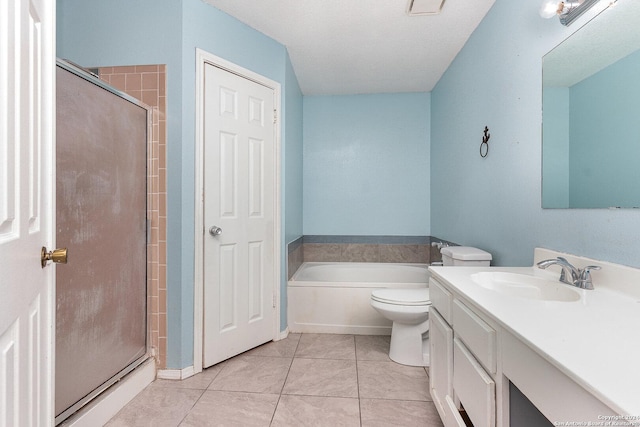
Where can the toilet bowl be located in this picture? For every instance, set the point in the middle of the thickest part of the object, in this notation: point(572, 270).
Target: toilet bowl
point(408, 309)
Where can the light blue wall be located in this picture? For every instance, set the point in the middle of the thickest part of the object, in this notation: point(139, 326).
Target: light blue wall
point(121, 32)
point(605, 137)
point(494, 203)
point(366, 164)
point(293, 156)
point(292, 176)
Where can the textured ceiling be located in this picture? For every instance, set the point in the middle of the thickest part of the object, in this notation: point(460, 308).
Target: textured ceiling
point(366, 46)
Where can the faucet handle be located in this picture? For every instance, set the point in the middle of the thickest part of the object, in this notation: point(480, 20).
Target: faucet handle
point(585, 280)
point(585, 273)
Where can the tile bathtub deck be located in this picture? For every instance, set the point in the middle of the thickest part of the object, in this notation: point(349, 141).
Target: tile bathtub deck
point(303, 380)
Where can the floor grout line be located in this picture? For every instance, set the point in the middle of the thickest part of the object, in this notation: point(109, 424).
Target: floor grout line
point(355, 349)
point(371, 350)
point(275, 409)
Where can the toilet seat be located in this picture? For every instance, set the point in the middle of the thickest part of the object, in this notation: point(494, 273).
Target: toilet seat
point(410, 297)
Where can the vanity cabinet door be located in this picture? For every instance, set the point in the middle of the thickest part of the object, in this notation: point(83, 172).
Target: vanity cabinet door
point(473, 386)
point(441, 369)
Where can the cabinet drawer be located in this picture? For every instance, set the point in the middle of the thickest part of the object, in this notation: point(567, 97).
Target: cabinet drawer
point(441, 299)
point(474, 387)
point(479, 337)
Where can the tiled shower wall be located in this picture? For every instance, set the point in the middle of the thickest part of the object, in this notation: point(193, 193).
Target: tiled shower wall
point(147, 83)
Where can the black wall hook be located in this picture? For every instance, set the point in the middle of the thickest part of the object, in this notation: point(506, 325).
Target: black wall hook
point(484, 145)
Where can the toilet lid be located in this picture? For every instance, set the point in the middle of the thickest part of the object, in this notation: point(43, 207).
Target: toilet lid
point(418, 296)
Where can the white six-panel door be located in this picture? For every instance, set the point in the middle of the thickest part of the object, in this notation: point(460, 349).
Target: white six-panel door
point(239, 184)
point(27, 62)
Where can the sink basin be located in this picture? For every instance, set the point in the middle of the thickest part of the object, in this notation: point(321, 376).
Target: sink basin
point(526, 286)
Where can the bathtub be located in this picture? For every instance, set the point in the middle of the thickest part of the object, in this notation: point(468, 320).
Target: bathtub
point(334, 297)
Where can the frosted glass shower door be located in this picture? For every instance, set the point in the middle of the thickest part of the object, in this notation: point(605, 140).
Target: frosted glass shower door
point(101, 317)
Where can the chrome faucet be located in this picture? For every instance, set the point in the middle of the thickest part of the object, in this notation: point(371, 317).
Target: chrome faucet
point(440, 245)
point(574, 273)
point(579, 277)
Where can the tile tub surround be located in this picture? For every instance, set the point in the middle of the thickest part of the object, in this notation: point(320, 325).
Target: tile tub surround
point(392, 249)
point(306, 379)
point(294, 258)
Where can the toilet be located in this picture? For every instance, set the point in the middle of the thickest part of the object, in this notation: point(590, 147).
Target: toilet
point(408, 309)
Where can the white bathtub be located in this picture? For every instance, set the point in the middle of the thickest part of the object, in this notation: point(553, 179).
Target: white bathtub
point(334, 297)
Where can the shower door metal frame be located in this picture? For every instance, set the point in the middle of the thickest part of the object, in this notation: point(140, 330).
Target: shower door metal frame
point(92, 78)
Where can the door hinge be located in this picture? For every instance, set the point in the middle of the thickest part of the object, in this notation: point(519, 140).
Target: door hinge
point(275, 116)
point(274, 300)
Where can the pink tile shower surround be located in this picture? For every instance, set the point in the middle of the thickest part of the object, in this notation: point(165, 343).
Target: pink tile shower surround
point(147, 83)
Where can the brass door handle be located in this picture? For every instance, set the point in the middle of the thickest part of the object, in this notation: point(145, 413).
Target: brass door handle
point(59, 256)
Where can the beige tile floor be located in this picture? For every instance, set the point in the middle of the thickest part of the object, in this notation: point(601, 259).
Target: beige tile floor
point(303, 380)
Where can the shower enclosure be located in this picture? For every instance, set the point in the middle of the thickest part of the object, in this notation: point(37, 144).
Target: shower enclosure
point(101, 217)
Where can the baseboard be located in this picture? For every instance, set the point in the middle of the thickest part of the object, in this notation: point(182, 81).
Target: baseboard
point(176, 374)
point(99, 411)
point(283, 334)
point(319, 328)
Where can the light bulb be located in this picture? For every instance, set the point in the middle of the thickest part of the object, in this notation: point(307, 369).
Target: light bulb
point(550, 8)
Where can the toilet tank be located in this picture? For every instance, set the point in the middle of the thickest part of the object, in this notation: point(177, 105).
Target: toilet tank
point(465, 256)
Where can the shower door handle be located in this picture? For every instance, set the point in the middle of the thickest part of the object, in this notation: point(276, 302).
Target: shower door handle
point(215, 231)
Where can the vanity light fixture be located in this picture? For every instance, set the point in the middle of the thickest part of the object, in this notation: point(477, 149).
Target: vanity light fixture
point(424, 7)
point(568, 11)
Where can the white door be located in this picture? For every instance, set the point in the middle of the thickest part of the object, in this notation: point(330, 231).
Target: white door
point(239, 185)
point(27, 62)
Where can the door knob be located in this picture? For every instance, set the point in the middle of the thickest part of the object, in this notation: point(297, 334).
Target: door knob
point(59, 256)
point(215, 231)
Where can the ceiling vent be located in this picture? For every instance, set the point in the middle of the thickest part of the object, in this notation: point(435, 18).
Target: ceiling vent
point(424, 7)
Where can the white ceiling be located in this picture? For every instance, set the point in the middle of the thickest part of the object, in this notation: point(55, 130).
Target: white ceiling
point(367, 46)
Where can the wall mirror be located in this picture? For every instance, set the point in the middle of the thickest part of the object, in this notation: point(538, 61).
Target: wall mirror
point(591, 114)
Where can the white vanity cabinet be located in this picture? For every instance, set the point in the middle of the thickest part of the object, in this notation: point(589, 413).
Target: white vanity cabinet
point(523, 362)
point(463, 360)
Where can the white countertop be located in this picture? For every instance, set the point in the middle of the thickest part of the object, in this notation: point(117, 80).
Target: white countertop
point(595, 341)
